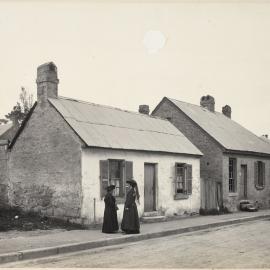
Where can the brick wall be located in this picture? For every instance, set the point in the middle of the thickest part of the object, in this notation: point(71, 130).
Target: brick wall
point(45, 166)
point(231, 200)
point(211, 162)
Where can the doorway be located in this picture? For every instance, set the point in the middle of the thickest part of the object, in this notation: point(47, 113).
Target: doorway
point(149, 187)
point(244, 181)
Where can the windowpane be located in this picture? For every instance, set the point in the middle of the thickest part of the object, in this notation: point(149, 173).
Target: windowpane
point(261, 173)
point(116, 176)
point(232, 175)
point(180, 178)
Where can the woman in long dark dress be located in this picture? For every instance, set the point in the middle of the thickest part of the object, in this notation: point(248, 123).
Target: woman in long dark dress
point(130, 222)
point(110, 222)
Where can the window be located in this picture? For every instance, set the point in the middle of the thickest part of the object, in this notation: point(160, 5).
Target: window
point(183, 178)
point(232, 175)
point(259, 177)
point(115, 172)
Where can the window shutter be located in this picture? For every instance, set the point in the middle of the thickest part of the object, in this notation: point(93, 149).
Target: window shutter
point(175, 177)
point(256, 173)
point(263, 174)
point(129, 170)
point(189, 179)
point(104, 176)
point(129, 173)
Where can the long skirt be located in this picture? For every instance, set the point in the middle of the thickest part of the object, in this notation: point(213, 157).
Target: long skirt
point(130, 222)
point(110, 222)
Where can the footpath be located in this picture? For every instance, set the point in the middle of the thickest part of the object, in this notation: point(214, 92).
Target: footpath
point(43, 245)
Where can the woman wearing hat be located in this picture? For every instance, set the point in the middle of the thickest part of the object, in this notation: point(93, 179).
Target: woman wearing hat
point(130, 222)
point(110, 222)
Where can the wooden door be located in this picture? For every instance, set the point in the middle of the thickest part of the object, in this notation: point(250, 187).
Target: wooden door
point(244, 181)
point(149, 187)
point(219, 195)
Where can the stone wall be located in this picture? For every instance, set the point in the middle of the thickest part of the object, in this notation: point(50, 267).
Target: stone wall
point(3, 176)
point(211, 162)
point(45, 166)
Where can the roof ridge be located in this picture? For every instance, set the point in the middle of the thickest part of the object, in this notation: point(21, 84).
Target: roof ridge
point(173, 99)
point(111, 107)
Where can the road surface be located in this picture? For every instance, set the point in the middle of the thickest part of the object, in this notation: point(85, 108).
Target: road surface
point(237, 246)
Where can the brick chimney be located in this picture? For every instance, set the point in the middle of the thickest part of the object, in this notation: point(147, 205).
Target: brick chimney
point(47, 82)
point(208, 102)
point(144, 109)
point(227, 111)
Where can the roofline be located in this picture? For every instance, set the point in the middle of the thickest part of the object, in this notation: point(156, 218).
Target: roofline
point(171, 102)
point(142, 150)
point(19, 131)
point(250, 153)
point(67, 123)
point(109, 107)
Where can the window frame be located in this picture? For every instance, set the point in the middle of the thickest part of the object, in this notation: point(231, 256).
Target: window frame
point(232, 181)
point(186, 183)
point(259, 177)
point(126, 172)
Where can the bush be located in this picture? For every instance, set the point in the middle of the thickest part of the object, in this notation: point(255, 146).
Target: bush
point(16, 219)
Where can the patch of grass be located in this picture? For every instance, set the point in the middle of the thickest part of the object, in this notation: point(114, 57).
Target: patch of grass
point(16, 219)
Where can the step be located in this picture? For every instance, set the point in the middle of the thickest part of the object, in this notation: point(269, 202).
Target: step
point(151, 214)
point(153, 219)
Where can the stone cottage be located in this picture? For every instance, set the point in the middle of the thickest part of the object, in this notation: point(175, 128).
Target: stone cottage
point(67, 151)
point(236, 162)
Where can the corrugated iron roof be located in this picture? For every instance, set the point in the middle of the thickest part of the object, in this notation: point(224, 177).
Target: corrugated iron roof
point(4, 128)
point(108, 127)
point(224, 130)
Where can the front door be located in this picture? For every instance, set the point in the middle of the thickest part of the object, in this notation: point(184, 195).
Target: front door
point(244, 181)
point(149, 187)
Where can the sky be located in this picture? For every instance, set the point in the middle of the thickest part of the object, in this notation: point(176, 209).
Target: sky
point(127, 53)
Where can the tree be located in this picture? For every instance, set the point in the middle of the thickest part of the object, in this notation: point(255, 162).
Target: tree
point(21, 109)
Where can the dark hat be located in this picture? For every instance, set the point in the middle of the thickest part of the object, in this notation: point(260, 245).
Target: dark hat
point(132, 182)
point(110, 187)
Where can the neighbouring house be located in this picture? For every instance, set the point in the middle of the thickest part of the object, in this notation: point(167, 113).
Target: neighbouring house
point(265, 138)
point(4, 131)
point(67, 151)
point(3, 173)
point(235, 163)
point(7, 132)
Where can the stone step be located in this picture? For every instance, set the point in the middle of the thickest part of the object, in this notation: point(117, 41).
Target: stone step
point(153, 219)
point(151, 214)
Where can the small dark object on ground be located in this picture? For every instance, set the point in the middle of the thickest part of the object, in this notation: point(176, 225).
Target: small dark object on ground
point(214, 211)
point(15, 219)
point(246, 205)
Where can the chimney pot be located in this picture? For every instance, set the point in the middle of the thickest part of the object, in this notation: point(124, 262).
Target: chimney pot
point(144, 109)
point(47, 82)
point(208, 102)
point(227, 111)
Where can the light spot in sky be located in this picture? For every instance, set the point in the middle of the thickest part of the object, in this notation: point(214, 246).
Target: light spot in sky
point(154, 41)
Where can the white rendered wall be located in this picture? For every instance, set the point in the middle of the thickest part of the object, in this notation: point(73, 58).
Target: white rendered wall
point(165, 201)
